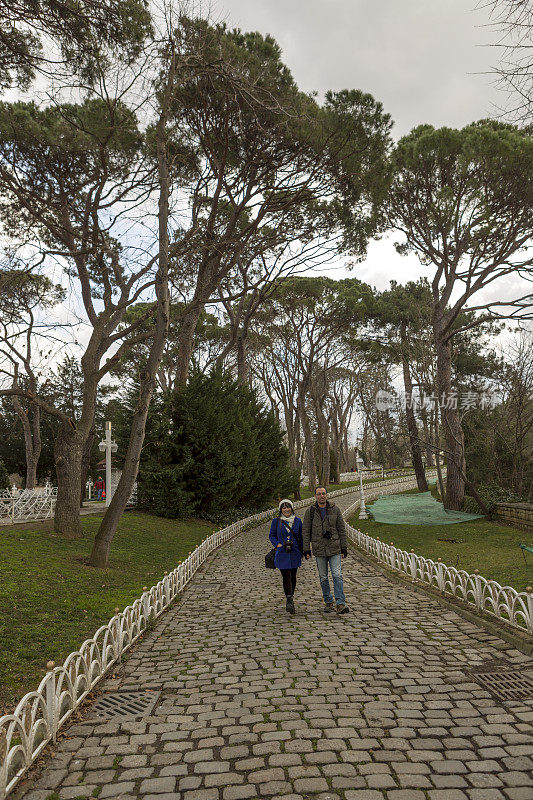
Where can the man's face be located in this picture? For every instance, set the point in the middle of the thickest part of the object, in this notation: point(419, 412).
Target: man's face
point(321, 496)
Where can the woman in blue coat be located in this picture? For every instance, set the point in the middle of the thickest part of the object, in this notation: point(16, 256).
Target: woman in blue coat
point(286, 537)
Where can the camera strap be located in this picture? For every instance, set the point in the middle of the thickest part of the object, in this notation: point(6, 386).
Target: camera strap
point(290, 530)
point(312, 516)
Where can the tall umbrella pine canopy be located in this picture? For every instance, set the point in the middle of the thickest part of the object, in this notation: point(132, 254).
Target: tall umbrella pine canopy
point(269, 151)
point(464, 198)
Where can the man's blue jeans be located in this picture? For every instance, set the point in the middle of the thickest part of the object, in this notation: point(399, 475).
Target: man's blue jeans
point(334, 563)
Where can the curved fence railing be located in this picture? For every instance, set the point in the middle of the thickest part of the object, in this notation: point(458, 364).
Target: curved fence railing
point(39, 714)
point(376, 473)
point(503, 602)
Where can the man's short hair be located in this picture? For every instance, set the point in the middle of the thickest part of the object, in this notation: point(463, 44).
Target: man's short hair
point(321, 487)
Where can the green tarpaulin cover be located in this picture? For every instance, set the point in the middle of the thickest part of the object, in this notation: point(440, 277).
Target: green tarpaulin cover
point(415, 509)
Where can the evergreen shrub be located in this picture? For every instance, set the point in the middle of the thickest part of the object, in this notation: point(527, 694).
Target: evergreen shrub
point(491, 494)
point(212, 450)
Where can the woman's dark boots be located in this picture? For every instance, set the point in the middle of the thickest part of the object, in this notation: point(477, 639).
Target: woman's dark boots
point(289, 605)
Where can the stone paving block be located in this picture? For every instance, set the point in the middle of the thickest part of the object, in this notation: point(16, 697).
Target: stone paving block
point(449, 781)
point(69, 792)
point(518, 793)
point(303, 771)
point(310, 785)
point(178, 770)
point(380, 781)
point(271, 788)
point(514, 778)
point(52, 778)
point(483, 779)
point(412, 781)
point(239, 792)
point(120, 788)
point(190, 782)
point(157, 785)
point(223, 779)
point(201, 794)
point(266, 775)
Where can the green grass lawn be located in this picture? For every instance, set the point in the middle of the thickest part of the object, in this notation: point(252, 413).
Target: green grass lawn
point(490, 547)
point(50, 601)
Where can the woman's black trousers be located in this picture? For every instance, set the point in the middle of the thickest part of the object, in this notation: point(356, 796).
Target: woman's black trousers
point(289, 580)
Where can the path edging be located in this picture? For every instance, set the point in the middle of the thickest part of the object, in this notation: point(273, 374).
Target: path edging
point(479, 618)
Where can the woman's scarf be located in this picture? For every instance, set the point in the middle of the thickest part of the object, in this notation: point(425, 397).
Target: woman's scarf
point(289, 520)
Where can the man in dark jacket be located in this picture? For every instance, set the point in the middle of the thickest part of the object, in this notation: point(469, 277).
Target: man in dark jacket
point(323, 529)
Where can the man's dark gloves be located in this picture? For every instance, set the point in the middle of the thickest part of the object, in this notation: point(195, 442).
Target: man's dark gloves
point(344, 552)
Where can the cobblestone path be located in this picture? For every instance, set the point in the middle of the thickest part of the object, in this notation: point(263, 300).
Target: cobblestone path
point(254, 703)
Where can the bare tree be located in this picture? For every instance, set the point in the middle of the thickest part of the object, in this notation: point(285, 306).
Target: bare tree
point(513, 19)
point(24, 295)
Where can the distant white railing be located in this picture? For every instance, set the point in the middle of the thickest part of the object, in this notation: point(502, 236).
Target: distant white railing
point(23, 505)
point(39, 714)
point(503, 602)
point(375, 473)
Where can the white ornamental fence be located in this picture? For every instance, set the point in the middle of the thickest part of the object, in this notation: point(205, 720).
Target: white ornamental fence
point(24, 505)
point(503, 602)
point(377, 473)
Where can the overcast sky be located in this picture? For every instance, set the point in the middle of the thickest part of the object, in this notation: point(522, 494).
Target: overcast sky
point(425, 60)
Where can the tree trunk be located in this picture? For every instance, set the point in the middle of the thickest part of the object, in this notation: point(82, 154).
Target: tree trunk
point(185, 345)
point(337, 448)
point(36, 436)
point(428, 436)
point(308, 439)
point(451, 421)
point(32, 440)
point(102, 543)
point(289, 428)
point(416, 454)
point(346, 452)
point(388, 450)
point(324, 446)
point(243, 370)
point(86, 462)
point(68, 453)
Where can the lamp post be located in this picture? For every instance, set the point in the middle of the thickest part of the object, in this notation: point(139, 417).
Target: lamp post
point(109, 447)
point(360, 465)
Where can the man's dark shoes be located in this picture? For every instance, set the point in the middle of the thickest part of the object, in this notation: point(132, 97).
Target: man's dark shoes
point(342, 609)
point(329, 607)
point(289, 605)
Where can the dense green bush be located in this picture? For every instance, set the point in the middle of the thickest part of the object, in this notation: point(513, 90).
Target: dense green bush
point(210, 449)
point(491, 493)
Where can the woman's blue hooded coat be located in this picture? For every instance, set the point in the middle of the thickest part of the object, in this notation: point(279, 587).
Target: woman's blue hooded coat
point(278, 534)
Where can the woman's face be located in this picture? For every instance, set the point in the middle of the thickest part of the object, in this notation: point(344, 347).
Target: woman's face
point(286, 510)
